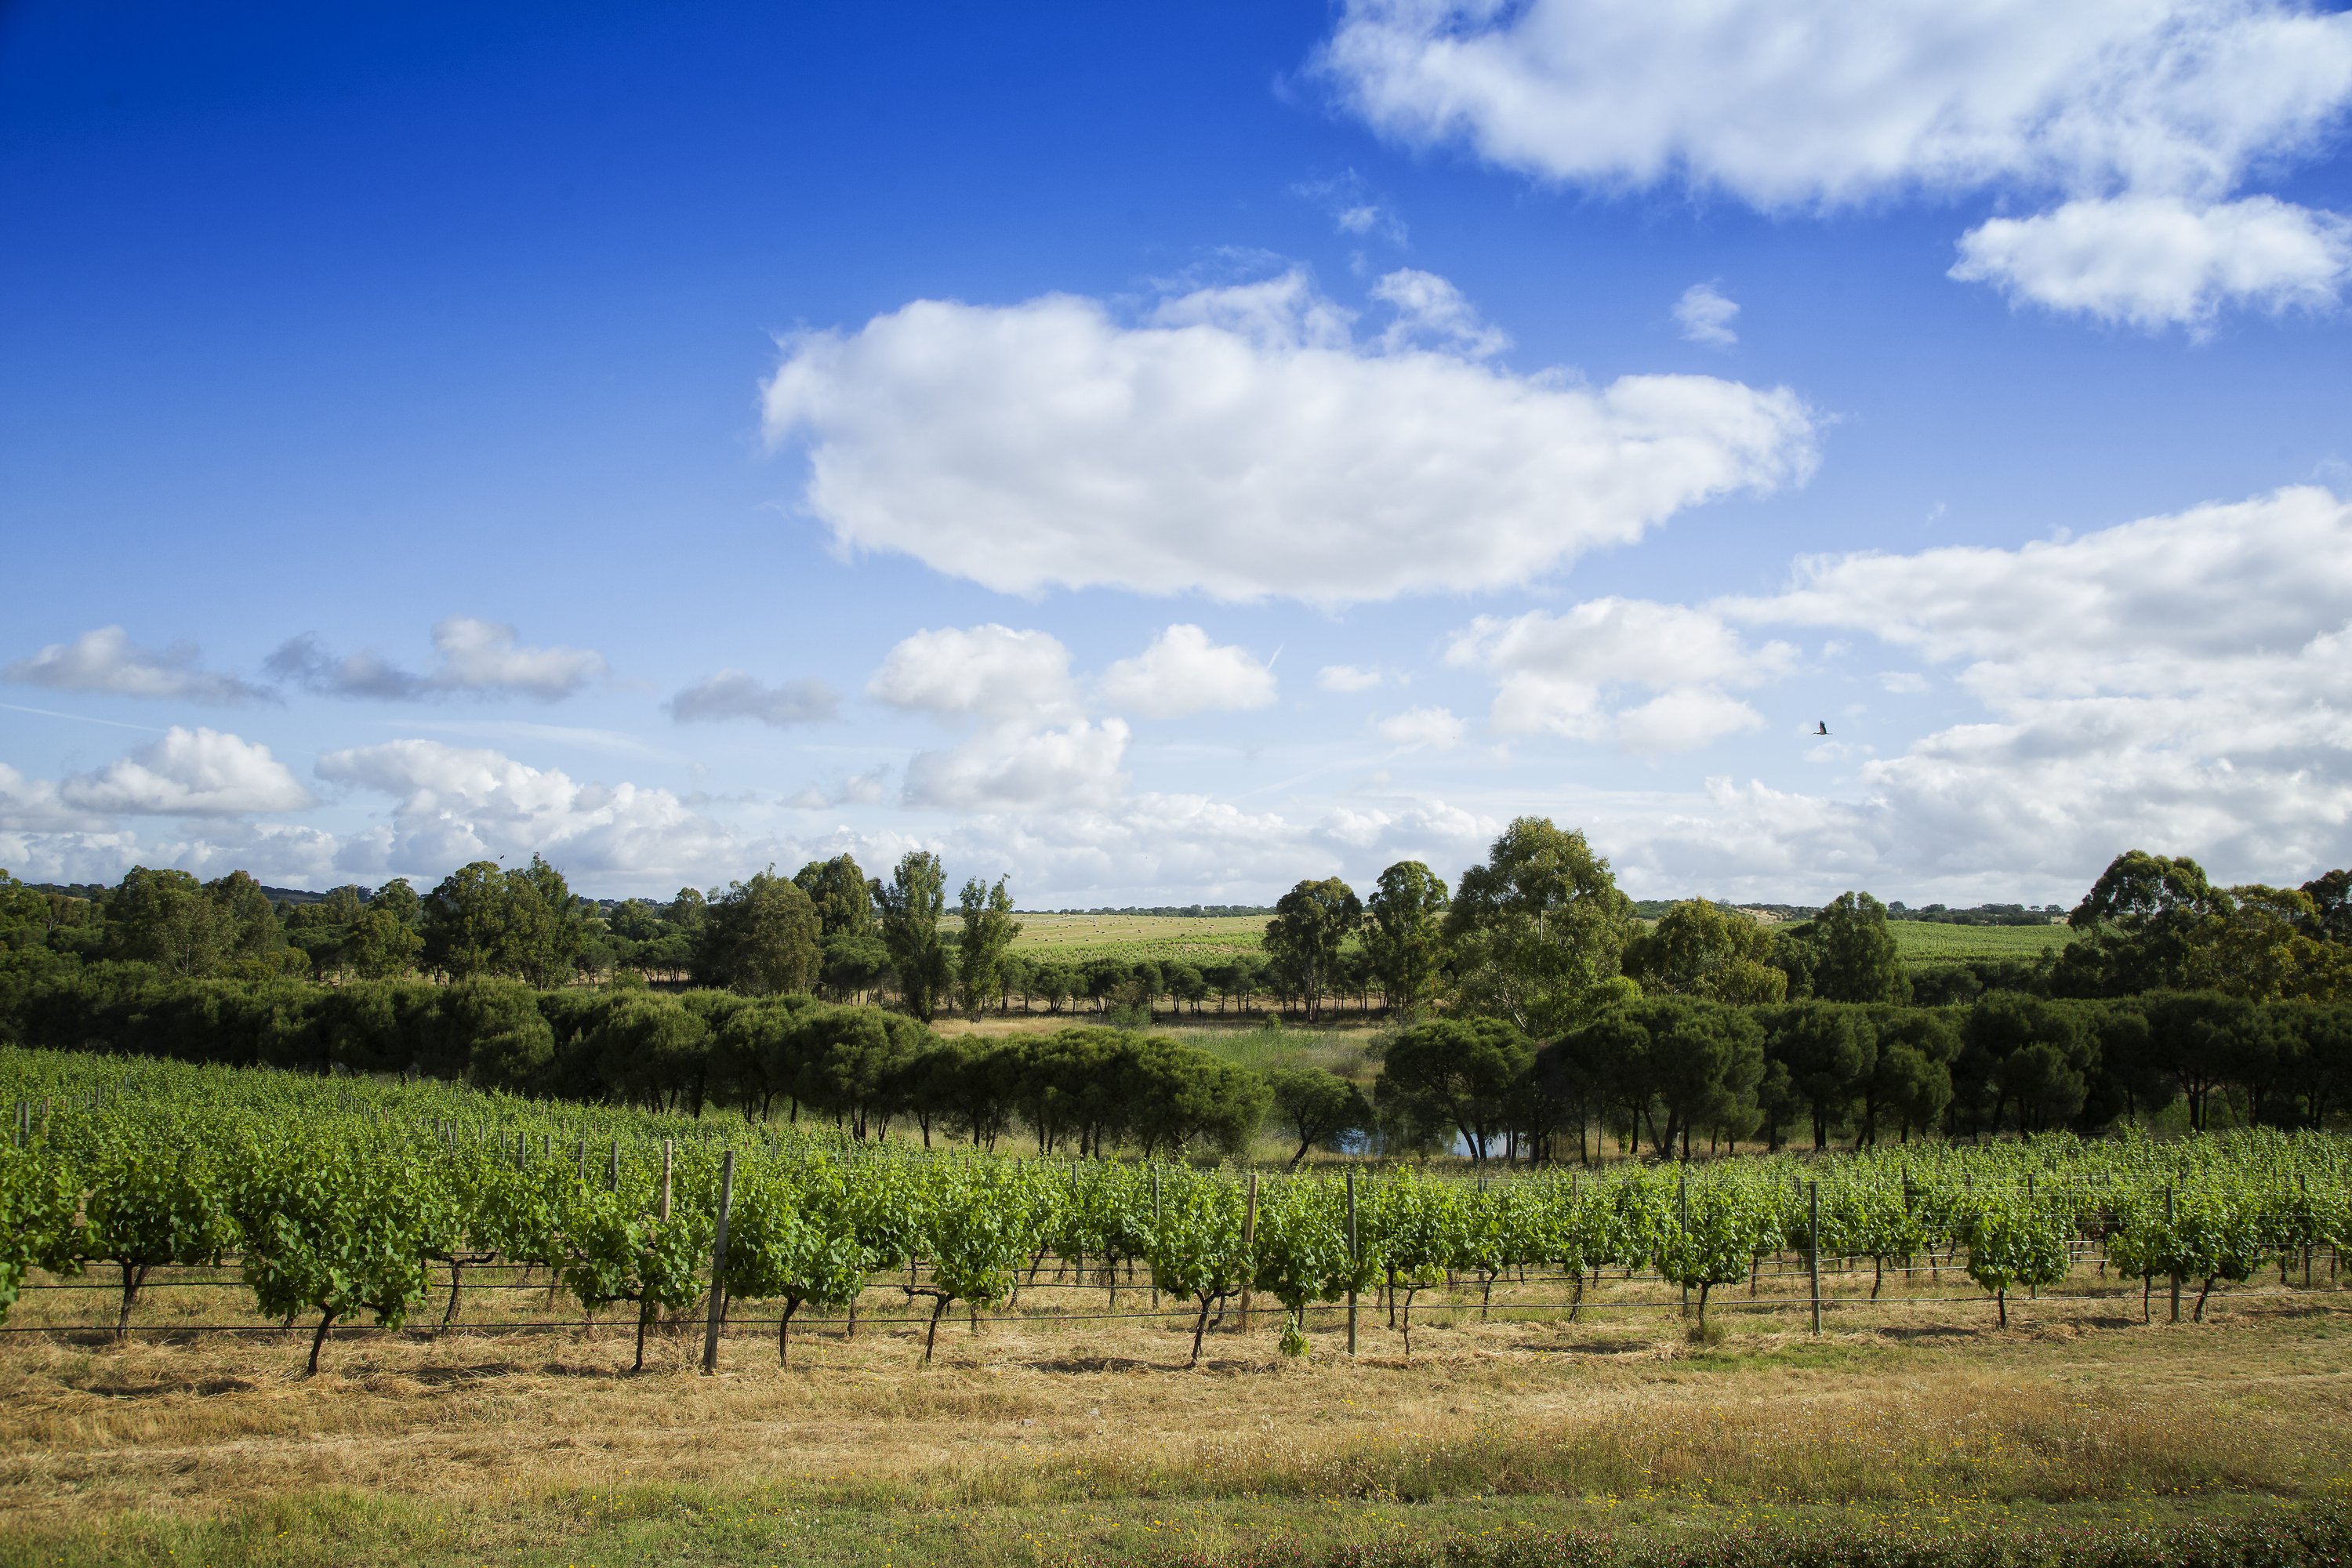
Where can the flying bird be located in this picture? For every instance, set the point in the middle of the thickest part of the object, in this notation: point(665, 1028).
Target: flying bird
point(1820, 726)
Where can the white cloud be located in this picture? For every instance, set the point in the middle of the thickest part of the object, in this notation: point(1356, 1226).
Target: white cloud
point(1154, 846)
point(1183, 672)
point(2157, 261)
point(990, 671)
point(732, 694)
point(1814, 104)
point(2145, 607)
point(478, 657)
point(1432, 313)
point(1567, 674)
point(1802, 102)
point(1705, 315)
point(1347, 677)
point(868, 788)
point(454, 805)
point(190, 773)
point(1014, 769)
point(107, 660)
point(1683, 719)
point(1238, 442)
point(1434, 728)
point(34, 806)
point(1354, 209)
point(1903, 682)
point(2180, 683)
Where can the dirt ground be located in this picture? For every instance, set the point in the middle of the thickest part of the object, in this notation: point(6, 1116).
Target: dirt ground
point(1099, 1423)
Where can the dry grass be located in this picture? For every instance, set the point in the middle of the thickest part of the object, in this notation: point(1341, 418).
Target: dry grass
point(1897, 1405)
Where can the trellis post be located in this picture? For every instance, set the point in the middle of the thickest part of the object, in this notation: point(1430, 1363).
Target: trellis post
point(1814, 1246)
point(718, 1265)
point(1355, 1262)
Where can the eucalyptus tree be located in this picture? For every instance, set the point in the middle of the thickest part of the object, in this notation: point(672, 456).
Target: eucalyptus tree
point(760, 937)
point(913, 902)
point(1404, 933)
point(1538, 928)
point(985, 937)
point(1303, 939)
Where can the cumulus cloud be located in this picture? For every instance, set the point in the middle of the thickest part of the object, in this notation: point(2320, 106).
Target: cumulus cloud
point(868, 788)
point(732, 694)
point(1146, 847)
point(1012, 769)
point(1347, 677)
point(989, 671)
point(478, 657)
point(1183, 672)
point(452, 805)
point(2155, 261)
point(2181, 682)
point(1432, 313)
point(1434, 728)
point(190, 773)
point(34, 806)
point(1810, 104)
point(1240, 442)
point(1705, 315)
point(107, 660)
point(1573, 674)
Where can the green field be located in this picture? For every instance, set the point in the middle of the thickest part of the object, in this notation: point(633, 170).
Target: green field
point(1158, 937)
point(1919, 941)
point(1196, 940)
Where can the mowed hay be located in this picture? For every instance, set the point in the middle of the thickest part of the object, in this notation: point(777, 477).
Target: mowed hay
point(1041, 1411)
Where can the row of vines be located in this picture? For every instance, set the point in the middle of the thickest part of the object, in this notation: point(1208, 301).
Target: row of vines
point(340, 1200)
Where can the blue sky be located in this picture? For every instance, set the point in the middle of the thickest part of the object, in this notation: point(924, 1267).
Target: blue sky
point(1163, 456)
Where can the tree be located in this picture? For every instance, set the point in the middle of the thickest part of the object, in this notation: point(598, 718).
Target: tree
point(1538, 927)
point(384, 942)
point(1318, 1106)
point(1853, 954)
point(254, 936)
point(913, 902)
point(2267, 947)
point(1303, 939)
point(2142, 923)
point(1911, 1081)
point(1828, 1051)
point(1703, 949)
point(2024, 1052)
point(164, 917)
point(1704, 1063)
point(545, 930)
point(523, 923)
point(464, 919)
point(2331, 906)
point(843, 897)
point(987, 936)
point(1404, 933)
point(1463, 1072)
point(760, 938)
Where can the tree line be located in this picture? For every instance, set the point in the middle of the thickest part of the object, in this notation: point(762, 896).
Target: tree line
point(1527, 1004)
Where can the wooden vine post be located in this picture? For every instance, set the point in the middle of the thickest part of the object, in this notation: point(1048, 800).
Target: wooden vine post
point(1814, 1246)
point(1249, 1259)
point(718, 1266)
point(1355, 1260)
